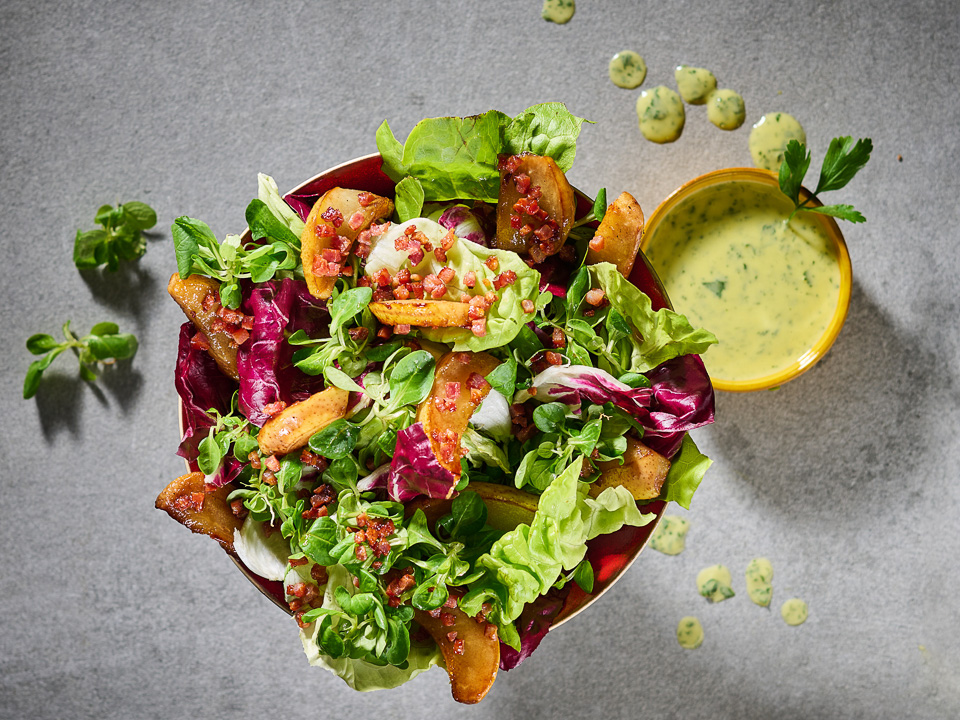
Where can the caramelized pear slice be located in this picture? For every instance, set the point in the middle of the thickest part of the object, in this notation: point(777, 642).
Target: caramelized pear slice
point(471, 651)
point(642, 473)
point(507, 506)
point(293, 426)
point(189, 295)
point(339, 213)
point(422, 313)
point(208, 513)
point(452, 401)
point(556, 199)
point(617, 239)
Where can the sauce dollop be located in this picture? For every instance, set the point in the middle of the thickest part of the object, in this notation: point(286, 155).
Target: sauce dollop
point(627, 69)
point(769, 139)
point(714, 583)
point(558, 11)
point(695, 84)
point(767, 289)
point(660, 113)
point(671, 535)
point(690, 633)
point(759, 576)
point(794, 611)
point(725, 109)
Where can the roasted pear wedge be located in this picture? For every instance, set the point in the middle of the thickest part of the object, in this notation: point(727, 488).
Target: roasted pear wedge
point(642, 473)
point(189, 295)
point(471, 651)
point(618, 236)
point(293, 426)
point(207, 513)
point(422, 313)
point(507, 506)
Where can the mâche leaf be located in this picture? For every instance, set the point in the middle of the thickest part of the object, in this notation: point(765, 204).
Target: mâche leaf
point(120, 238)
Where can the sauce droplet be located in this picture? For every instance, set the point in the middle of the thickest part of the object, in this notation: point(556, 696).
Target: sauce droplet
point(794, 611)
point(670, 536)
point(714, 583)
point(759, 577)
point(725, 109)
point(660, 113)
point(690, 633)
point(769, 139)
point(695, 84)
point(627, 69)
point(558, 11)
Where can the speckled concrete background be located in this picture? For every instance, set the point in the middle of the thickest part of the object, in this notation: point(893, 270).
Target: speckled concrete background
point(846, 478)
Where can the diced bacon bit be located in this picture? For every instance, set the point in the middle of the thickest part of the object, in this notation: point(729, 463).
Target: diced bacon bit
point(311, 458)
point(478, 308)
point(238, 508)
point(470, 279)
point(403, 276)
point(254, 458)
point(522, 182)
point(464, 297)
point(226, 320)
point(448, 619)
point(558, 339)
point(507, 277)
point(479, 327)
point(356, 220)
point(554, 358)
point(464, 358)
point(490, 631)
point(490, 298)
point(445, 404)
point(449, 441)
point(319, 573)
point(447, 274)
point(435, 286)
point(269, 477)
point(508, 164)
point(416, 257)
point(448, 240)
point(453, 390)
point(402, 293)
point(403, 329)
point(322, 231)
point(399, 585)
point(364, 281)
point(382, 293)
point(450, 602)
point(275, 408)
point(190, 502)
point(210, 301)
point(440, 254)
point(452, 635)
point(333, 216)
point(358, 334)
point(476, 381)
point(435, 613)
point(247, 323)
point(458, 646)
point(297, 562)
point(361, 552)
point(516, 222)
point(493, 263)
point(324, 268)
point(596, 243)
point(594, 297)
point(364, 198)
point(382, 278)
point(527, 306)
point(240, 336)
point(385, 332)
point(200, 342)
point(272, 464)
point(525, 230)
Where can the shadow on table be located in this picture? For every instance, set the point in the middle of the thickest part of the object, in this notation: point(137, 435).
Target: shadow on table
point(130, 289)
point(61, 396)
point(850, 430)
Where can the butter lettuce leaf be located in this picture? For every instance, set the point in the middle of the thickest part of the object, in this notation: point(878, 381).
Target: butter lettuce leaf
point(546, 129)
point(687, 469)
point(360, 674)
point(660, 335)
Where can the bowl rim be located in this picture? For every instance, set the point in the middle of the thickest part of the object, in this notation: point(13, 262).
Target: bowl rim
point(829, 335)
point(576, 601)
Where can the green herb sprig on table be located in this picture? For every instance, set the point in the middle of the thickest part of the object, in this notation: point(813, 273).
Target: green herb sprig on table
point(119, 239)
point(843, 160)
point(104, 344)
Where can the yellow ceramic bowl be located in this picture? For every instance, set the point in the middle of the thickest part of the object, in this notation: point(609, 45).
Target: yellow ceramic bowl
point(818, 347)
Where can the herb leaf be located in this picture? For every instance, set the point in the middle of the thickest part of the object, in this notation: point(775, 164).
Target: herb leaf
point(844, 159)
point(120, 238)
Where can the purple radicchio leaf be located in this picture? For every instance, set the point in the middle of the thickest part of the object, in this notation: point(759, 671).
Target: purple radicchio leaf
point(572, 384)
point(532, 626)
point(415, 469)
point(264, 361)
point(554, 276)
point(465, 223)
point(201, 386)
point(683, 399)
point(228, 471)
point(377, 480)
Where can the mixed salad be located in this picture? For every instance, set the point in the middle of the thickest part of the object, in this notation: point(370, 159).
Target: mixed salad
point(414, 408)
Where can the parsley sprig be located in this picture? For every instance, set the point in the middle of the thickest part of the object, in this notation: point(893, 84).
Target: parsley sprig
point(843, 160)
point(104, 344)
point(119, 239)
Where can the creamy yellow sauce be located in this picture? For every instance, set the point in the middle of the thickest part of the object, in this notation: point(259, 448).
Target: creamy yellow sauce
point(759, 578)
point(627, 69)
point(725, 109)
point(730, 263)
point(690, 633)
point(794, 611)
point(671, 535)
point(769, 139)
point(714, 583)
point(661, 116)
point(558, 11)
point(695, 84)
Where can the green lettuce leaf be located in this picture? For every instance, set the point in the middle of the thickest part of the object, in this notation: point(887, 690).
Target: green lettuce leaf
point(529, 559)
point(663, 334)
point(359, 674)
point(269, 195)
point(546, 129)
point(687, 469)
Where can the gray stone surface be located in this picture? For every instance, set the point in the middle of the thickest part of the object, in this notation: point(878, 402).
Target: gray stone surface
point(846, 478)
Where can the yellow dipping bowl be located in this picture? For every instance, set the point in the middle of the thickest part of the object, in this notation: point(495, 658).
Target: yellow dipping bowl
point(817, 349)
